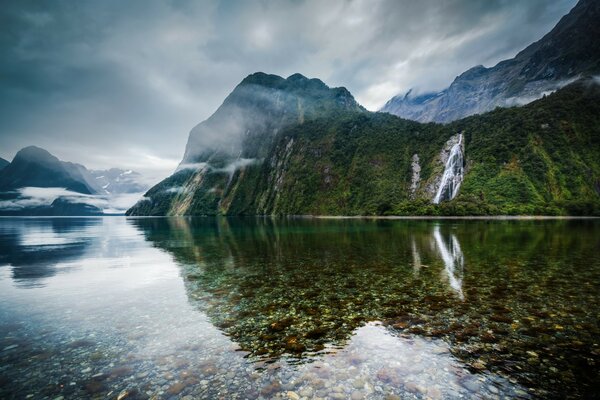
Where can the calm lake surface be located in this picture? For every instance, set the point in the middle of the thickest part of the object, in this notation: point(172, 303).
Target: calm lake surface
point(298, 308)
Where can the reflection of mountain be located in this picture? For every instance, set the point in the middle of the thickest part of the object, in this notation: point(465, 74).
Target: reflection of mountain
point(286, 286)
point(297, 286)
point(33, 248)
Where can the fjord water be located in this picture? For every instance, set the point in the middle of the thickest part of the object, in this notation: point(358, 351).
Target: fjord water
point(291, 308)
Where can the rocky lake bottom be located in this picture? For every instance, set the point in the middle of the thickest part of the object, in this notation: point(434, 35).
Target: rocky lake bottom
point(172, 308)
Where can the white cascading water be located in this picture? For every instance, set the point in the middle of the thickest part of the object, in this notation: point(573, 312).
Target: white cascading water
point(453, 174)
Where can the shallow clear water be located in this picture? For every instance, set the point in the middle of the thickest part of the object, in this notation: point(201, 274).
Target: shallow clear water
point(262, 308)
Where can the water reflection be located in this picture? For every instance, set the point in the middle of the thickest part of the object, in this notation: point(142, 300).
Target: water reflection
point(214, 307)
point(34, 248)
point(453, 260)
point(296, 288)
point(293, 287)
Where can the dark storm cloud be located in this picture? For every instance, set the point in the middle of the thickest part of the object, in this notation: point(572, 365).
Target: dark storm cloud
point(115, 83)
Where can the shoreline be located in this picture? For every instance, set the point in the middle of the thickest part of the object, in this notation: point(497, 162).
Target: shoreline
point(472, 217)
point(328, 217)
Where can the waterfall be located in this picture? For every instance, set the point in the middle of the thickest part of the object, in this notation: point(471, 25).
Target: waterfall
point(453, 174)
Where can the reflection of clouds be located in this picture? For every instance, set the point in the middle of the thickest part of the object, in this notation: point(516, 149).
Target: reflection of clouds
point(36, 248)
point(453, 259)
point(43, 236)
point(410, 366)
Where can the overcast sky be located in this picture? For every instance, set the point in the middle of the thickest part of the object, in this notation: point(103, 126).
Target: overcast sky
point(121, 83)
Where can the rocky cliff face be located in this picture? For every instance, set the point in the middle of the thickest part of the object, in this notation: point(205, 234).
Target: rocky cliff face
point(570, 51)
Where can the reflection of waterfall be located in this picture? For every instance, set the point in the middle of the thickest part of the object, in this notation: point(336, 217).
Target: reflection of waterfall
point(453, 174)
point(416, 258)
point(453, 260)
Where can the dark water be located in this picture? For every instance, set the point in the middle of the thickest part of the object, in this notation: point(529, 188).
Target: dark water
point(262, 308)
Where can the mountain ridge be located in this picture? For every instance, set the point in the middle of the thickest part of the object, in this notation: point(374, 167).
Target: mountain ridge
point(569, 51)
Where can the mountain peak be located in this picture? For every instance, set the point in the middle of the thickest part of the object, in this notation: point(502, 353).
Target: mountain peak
point(34, 154)
point(37, 155)
point(293, 82)
point(260, 106)
point(296, 77)
point(36, 167)
point(263, 79)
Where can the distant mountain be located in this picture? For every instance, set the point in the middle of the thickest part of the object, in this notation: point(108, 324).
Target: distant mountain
point(118, 181)
point(240, 134)
point(3, 163)
point(38, 183)
point(570, 51)
point(35, 167)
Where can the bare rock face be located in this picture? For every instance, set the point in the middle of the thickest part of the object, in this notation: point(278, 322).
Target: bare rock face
point(571, 50)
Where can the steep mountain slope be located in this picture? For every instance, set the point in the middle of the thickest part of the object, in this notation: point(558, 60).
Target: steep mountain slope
point(571, 50)
point(35, 167)
point(3, 163)
point(237, 136)
point(543, 158)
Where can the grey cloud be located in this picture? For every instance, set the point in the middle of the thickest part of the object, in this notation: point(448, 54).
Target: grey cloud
point(120, 84)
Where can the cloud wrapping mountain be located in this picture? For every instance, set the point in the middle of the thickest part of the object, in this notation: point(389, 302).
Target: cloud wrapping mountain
point(38, 183)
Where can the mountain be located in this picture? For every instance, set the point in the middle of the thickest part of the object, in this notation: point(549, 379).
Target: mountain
point(543, 158)
point(570, 51)
point(238, 137)
point(38, 183)
point(119, 181)
point(3, 163)
point(35, 167)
